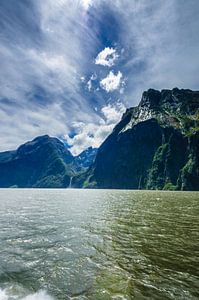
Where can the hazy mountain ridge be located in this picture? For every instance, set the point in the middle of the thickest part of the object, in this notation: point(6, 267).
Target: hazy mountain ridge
point(154, 146)
point(85, 159)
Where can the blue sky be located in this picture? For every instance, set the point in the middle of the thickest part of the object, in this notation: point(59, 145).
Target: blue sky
point(69, 68)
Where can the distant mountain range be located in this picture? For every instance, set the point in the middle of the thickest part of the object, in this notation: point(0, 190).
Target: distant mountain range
point(154, 146)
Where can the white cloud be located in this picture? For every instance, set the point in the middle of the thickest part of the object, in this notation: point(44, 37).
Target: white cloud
point(113, 113)
point(94, 133)
point(112, 82)
point(86, 3)
point(107, 57)
point(89, 83)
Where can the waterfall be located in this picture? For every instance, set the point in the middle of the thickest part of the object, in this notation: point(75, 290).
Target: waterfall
point(140, 181)
point(70, 183)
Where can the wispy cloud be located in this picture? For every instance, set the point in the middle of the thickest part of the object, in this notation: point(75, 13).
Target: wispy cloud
point(49, 50)
point(41, 70)
point(161, 43)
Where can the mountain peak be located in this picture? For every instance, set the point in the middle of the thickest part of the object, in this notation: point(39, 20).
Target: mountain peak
point(153, 98)
point(167, 106)
point(150, 98)
point(42, 137)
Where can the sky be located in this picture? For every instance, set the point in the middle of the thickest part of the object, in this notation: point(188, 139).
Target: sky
point(70, 68)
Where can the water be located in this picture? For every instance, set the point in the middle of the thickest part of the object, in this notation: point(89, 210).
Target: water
point(98, 244)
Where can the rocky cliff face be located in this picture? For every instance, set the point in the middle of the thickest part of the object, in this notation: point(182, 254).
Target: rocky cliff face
point(154, 146)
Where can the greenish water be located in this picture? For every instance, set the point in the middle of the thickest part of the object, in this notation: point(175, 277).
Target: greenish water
point(98, 244)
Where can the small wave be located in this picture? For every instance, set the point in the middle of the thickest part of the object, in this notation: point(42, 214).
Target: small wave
point(40, 295)
point(3, 295)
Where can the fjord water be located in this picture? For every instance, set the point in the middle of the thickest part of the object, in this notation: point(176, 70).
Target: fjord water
point(98, 244)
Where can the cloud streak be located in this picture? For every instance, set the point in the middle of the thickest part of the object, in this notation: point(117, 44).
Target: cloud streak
point(50, 51)
point(41, 66)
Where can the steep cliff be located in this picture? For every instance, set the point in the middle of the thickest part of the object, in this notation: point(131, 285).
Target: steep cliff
point(154, 146)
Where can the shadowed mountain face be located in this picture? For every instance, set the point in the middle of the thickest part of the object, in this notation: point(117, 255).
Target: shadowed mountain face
point(154, 146)
point(44, 162)
point(85, 158)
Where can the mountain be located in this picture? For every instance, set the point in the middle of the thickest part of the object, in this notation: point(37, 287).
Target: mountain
point(85, 159)
point(154, 146)
point(44, 162)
